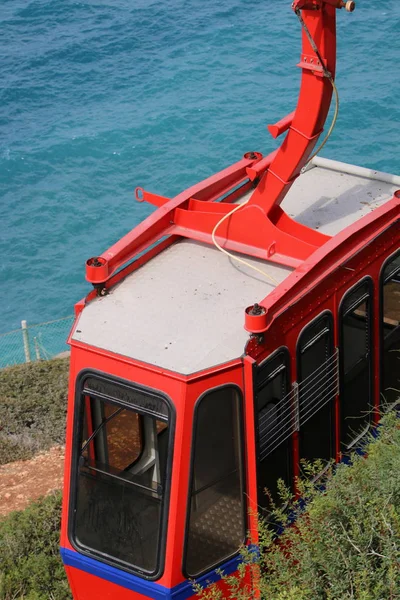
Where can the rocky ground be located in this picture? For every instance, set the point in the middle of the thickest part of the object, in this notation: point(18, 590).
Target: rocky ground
point(23, 481)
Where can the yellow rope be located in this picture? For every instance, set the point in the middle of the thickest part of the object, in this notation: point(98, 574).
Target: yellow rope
point(328, 135)
point(241, 260)
point(327, 74)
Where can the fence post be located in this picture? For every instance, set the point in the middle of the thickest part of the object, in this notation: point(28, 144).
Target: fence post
point(37, 349)
point(25, 337)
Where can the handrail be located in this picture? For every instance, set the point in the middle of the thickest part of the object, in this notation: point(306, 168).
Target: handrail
point(341, 167)
point(156, 494)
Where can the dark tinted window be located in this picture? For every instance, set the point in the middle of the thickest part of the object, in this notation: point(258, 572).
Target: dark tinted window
point(317, 380)
point(390, 332)
point(274, 426)
point(216, 525)
point(356, 363)
point(121, 479)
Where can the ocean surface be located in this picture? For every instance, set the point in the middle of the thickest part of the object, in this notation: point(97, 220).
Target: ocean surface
point(100, 96)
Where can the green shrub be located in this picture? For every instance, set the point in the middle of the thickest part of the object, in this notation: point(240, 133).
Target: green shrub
point(31, 567)
point(345, 544)
point(33, 399)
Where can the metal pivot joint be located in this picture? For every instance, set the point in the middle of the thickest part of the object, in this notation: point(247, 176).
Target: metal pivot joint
point(349, 5)
point(255, 318)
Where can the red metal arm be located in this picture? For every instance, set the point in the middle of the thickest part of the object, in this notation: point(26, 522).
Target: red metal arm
point(161, 222)
point(281, 126)
point(311, 112)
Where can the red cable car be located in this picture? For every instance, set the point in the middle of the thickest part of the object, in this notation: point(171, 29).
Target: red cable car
point(200, 376)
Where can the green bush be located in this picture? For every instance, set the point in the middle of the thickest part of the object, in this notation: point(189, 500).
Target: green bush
point(33, 399)
point(345, 544)
point(31, 567)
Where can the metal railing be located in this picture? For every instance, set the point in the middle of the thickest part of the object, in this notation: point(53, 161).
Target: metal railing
point(34, 342)
point(304, 399)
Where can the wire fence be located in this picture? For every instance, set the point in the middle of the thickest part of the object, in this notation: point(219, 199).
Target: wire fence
point(34, 342)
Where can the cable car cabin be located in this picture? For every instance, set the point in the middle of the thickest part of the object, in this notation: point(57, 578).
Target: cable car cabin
point(248, 323)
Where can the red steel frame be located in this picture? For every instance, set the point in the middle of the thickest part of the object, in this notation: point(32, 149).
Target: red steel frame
point(327, 267)
point(261, 229)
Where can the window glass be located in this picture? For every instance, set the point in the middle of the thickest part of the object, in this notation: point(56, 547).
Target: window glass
point(123, 436)
point(356, 401)
point(216, 525)
point(355, 335)
point(274, 426)
point(390, 330)
point(317, 380)
point(121, 478)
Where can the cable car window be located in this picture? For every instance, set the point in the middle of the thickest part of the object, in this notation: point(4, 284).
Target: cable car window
point(121, 464)
point(390, 332)
point(317, 381)
point(356, 400)
point(216, 521)
point(274, 426)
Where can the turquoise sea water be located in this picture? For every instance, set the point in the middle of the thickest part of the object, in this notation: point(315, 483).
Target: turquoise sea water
point(99, 96)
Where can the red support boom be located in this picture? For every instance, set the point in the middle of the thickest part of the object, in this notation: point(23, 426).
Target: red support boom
point(261, 228)
point(312, 109)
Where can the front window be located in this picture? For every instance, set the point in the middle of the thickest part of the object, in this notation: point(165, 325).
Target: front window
point(121, 473)
point(216, 525)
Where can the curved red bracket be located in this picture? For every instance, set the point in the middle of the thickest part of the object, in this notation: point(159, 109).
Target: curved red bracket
point(307, 122)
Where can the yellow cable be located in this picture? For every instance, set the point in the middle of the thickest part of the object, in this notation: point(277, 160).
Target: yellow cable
point(244, 262)
point(328, 135)
point(335, 116)
point(327, 74)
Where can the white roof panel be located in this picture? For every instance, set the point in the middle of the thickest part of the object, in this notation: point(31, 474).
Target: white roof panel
point(183, 310)
point(329, 200)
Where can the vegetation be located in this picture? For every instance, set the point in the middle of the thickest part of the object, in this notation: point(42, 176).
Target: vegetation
point(33, 399)
point(31, 567)
point(345, 544)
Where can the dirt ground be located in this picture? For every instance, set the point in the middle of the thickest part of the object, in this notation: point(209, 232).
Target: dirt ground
point(23, 481)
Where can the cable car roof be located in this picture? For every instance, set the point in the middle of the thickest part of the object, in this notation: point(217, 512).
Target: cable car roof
point(183, 310)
